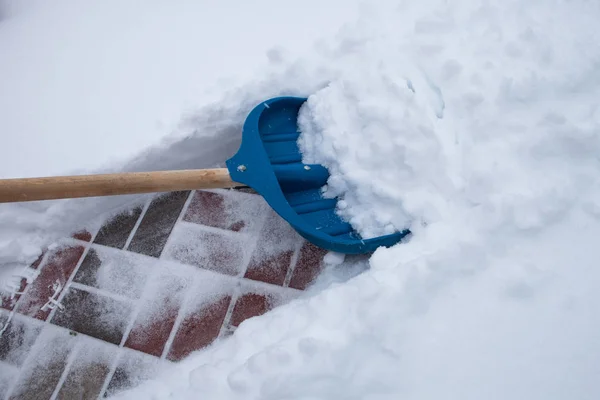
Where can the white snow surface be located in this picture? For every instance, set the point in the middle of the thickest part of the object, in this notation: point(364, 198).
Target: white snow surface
point(453, 113)
point(88, 84)
point(474, 123)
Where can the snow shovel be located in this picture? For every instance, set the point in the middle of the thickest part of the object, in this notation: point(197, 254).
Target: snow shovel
point(267, 161)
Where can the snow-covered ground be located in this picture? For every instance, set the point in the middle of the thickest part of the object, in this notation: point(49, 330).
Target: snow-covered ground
point(476, 123)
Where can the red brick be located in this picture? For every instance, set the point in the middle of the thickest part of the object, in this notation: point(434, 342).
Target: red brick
point(208, 208)
point(116, 230)
point(229, 210)
point(272, 255)
point(308, 266)
point(158, 222)
point(216, 252)
point(132, 369)
point(249, 305)
point(84, 381)
point(89, 370)
point(17, 339)
point(37, 262)
point(272, 269)
point(59, 267)
point(199, 328)
point(152, 336)
point(94, 315)
point(83, 235)
point(158, 314)
point(7, 301)
point(122, 272)
point(40, 375)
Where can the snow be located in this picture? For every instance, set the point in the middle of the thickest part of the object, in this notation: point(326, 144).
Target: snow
point(482, 123)
point(118, 272)
point(474, 123)
point(92, 83)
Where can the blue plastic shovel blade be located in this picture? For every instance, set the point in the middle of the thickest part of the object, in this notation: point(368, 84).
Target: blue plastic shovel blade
point(269, 161)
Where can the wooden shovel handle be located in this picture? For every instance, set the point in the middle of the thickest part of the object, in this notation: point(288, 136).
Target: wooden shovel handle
point(63, 187)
